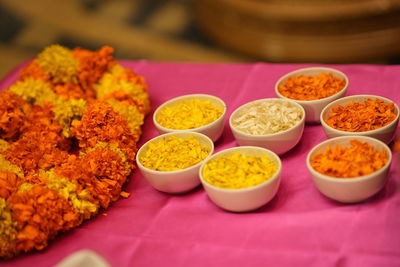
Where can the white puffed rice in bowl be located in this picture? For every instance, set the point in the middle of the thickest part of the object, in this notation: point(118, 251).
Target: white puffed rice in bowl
point(273, 123)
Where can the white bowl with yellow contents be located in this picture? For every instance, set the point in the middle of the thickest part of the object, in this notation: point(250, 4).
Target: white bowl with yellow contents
point(245, 193)
point(200, 113)
point(155, 159)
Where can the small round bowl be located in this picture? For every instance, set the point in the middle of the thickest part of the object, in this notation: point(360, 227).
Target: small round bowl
point(349, 190)
point(279, 142)
point(246, 199)
point(385, 133)
point(313, 108)
point(179, 181)
point(213, 130)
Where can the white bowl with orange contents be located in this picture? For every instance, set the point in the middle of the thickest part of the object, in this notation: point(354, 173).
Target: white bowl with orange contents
point(357, 188)
point(314, 107)
point(385, 133)
point(264, 115)
point(246, 198)
point(176, 181)
point(213, 128)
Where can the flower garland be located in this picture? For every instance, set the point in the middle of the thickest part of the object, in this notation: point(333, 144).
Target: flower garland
point(63, 101)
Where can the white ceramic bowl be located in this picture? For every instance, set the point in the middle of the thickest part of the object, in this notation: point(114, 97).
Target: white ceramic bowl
point(280, 142)
point(349, 190)
point(313, 108)
point(212, 130)
point(385, 133)
point(179, 181)
point(246, 199)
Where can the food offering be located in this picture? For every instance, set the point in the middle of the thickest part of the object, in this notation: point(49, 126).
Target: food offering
point(188, 114)
point(361, 116)
point(349, 168)
point(268, 116)
point(369, 115)
point(272, 123)
point(238, 171)
point(171, 162)
point(69, 128)
point(196, 112)
point(242, 178)
point(174, 153)
point(352, 161)
point(313, 88)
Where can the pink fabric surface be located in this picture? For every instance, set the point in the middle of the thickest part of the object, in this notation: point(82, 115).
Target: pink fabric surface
point(299, 227)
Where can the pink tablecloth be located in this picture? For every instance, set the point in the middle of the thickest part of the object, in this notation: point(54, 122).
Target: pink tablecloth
point(300, 227)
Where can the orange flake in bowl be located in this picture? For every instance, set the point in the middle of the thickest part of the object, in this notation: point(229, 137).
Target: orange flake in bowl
point(311, 87)
point(357, 160)
point(361, 116)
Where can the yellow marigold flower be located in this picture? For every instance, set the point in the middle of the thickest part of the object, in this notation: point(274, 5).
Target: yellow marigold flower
point(174, 153)
point(188, 114)
point(4, 145)
point(66, 111)
point(8, 231)
point(59, 63)
point(5, 165)
point(24, 187)
point(67, 189)
point(35, 92)
point(130, 113)
point(110, 83)
point(238, 171)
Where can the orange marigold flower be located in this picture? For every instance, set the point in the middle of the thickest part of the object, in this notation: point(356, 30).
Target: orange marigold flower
point(41, 213)
point(93, 65)
point(13, 110)
point(36, 150)
point(100, 123)
point(69, 91)
point(40, 122)
point(8, 183)
point(72, 170)
point(107, 173)
point(33, 70)
point(142, 103)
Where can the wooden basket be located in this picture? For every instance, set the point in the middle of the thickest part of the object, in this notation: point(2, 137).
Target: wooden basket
point(304, 31)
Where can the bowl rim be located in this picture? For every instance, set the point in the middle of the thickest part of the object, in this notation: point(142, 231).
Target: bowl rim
point(216, 121)
point(325, 177)
point(298, 72)
point(227, 151)
point(196, 134)
point(328, 108)
point(302, 121)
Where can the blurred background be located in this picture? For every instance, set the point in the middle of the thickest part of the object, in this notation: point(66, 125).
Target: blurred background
point(315, 31)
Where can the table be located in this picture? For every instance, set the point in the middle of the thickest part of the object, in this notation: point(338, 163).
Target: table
point(299, 227)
